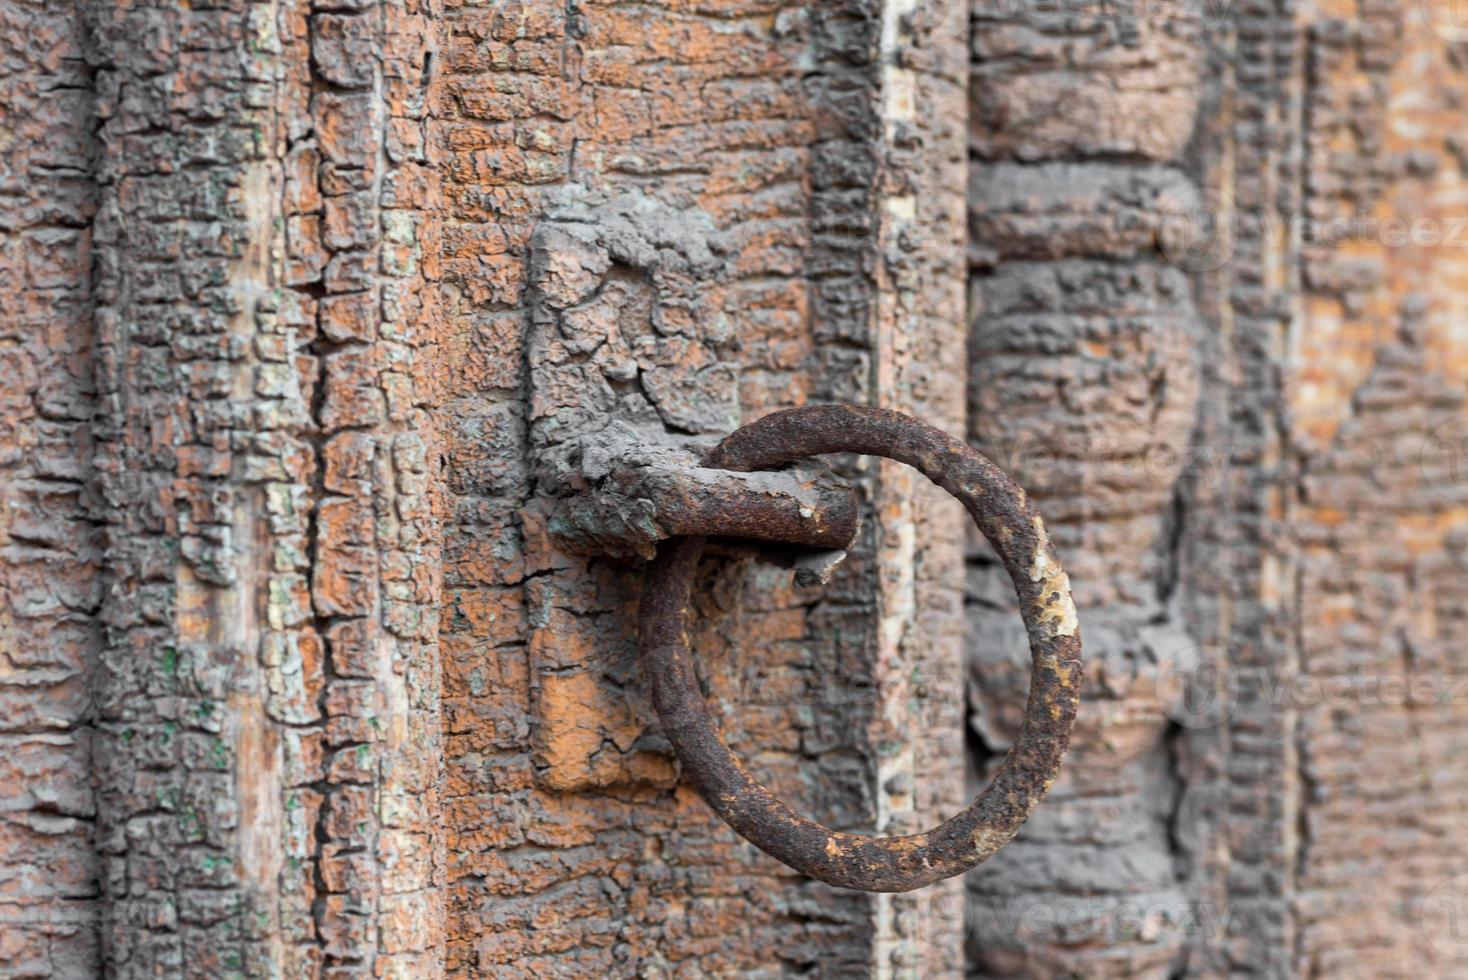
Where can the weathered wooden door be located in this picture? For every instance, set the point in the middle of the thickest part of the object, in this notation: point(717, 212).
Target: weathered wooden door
point(299, 683)
point(305, 305)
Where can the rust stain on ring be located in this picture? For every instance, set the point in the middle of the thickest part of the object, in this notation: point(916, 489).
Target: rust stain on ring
point(1005, 516)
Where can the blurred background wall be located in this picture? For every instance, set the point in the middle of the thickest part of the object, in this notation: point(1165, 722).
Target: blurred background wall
point(1217, 326)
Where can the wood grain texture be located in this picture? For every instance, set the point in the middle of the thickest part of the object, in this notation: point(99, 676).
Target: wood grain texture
point(299, 685)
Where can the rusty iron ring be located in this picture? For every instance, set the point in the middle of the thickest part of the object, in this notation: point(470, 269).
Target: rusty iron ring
point(1005, 516)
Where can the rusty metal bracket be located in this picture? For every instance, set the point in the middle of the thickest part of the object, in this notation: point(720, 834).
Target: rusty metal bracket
point(1010, 523)
point(626, 496)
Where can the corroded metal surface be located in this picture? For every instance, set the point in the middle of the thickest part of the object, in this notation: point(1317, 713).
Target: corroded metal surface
point(1005, 516)
point(636, 496)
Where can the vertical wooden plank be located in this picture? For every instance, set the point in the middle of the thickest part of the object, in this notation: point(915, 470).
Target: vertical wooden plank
point(49, 571)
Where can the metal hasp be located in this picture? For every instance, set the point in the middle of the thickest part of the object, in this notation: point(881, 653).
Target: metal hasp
point(1010, 523)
